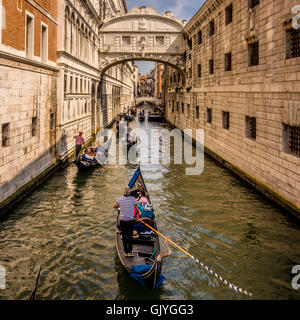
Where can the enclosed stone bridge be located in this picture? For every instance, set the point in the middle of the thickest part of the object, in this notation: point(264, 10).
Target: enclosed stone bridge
point(142, 34)
point(152, 100)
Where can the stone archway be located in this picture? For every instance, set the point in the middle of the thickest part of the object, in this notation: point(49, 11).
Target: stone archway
point(142, 34)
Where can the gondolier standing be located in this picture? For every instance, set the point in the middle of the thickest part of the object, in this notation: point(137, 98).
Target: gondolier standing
point(126, 205)
point(79, 142)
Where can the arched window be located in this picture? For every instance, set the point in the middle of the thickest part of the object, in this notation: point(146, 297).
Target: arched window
point(77, 38)
point(82, 37)
point(72, 34)
point(67, 29)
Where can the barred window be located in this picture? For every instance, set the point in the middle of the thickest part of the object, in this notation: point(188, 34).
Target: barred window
point(250, 129)
point(211, 66)
point(197, 112)
point(225, 118)
point(253, 3)
point(199, 70)
point(5, 134)
point(228, 61)
point(293, 43)
point(160, 40)
point(126, 40)
point(208, 115)
point(34, 126)
point(253, 49)
point(211, 28)
point(200, 37)
point(291, 139)
point(228, 14)
point(182, 108)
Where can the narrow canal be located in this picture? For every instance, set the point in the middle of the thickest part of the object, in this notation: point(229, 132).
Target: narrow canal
point(68, 226)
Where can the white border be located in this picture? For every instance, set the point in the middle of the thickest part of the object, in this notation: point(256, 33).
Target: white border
point(27, 13)
point(43, 24)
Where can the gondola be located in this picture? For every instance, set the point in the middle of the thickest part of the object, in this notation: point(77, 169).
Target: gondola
point(146, 265)
point(102, 154)
point(155, 116)
point(141, 117)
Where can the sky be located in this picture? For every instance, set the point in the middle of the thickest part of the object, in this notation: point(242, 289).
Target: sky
point(182, 9)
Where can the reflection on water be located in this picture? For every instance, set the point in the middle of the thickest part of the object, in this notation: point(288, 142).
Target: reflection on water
point(68, 225)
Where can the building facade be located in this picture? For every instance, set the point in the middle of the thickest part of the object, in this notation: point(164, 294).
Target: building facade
point(28, 83)
point(242, 87)
point(86, 102)
point(50, 85)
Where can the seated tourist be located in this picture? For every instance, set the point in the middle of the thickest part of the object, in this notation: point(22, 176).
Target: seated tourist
point(88, 156)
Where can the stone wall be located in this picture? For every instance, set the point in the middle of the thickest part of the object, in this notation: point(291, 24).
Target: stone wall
point(268, 92)
point(25, 95)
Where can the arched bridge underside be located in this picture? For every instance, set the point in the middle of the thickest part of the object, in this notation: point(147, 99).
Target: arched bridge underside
point(152, 100)
point(142, 34)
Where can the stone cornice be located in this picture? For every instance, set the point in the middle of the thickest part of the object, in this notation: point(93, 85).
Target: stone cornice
point(69, 56)
point(41, 9)
point(90, 9)
point(203, 13)
point(18, 62)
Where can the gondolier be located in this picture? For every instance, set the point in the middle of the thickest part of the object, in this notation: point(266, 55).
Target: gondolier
point(126, 205)
point(79, 142)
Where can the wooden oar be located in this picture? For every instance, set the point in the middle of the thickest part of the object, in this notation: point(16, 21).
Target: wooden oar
point(101, 165)
point(33, 294)
point(231, 286)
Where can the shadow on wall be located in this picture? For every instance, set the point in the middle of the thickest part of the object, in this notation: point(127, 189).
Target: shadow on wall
point(104, 106)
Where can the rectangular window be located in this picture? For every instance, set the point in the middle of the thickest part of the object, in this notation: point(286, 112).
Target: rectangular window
point(228, 61)
point(173, 106)
point(208, 115)
point(34, 126)
point(250, 128)
point(200, 37)
point(291, 139)
point(71, 84)
point(253, 49)
point(188, 111)
point(182, 108)
point(177, 106)
point(225, 119)
point(44, 44)
point(160, 41)
point(190, 72)
point(211, 28)
point(65, 83)
point(253, 3)
point(292, 43)
point(197, 112)
point(190, 43)
point(199, 70)
point(211, 66)
point(126, 40)
point(5, 134)
point(179, 77)
point(228, 14)
point(52, 122)
point(29, 36)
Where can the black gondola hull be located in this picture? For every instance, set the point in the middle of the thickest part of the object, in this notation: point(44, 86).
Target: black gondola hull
point(146, 249)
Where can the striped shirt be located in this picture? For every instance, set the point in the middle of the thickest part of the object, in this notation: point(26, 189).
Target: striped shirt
point(126, 204)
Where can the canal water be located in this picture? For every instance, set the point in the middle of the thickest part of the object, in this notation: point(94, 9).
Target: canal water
point(68, 226)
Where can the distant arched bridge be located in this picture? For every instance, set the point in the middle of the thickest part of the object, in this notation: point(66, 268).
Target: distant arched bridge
point(152, 100)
